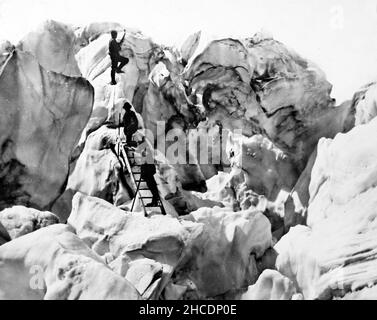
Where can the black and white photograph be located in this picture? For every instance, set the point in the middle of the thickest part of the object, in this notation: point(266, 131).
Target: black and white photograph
point(221, 152)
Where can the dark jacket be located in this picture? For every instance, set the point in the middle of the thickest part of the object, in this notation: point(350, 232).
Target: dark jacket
point(130, 123)
point(115, 47)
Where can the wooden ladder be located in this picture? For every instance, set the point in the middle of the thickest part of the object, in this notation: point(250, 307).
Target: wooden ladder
point(128, 156)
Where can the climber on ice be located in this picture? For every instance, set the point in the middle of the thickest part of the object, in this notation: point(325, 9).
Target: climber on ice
point(116, 58)
point(147, 172)
point(130, 123)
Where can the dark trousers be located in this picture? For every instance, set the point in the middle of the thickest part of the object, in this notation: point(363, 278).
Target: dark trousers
point(147, 172)
point(129, 138)
point(115, 66)
point(152, 185)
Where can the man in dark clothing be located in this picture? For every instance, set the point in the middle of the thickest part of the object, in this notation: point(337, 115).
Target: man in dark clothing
point(147, 172)
point(116, 58)
point(130, 123)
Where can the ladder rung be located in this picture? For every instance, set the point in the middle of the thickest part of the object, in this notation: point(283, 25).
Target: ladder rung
point(146, 197)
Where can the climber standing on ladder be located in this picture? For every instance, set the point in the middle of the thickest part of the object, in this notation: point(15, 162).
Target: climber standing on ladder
point(116, 58)
point(147, 171)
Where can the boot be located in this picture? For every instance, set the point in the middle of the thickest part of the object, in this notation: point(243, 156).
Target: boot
point(152, 204)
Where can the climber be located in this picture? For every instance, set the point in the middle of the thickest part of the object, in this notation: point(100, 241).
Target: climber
point(147, 171)
point(130, 123)
point(116, 58)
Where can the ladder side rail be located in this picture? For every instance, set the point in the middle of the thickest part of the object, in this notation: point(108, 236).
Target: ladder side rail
point(136, 195)
point(128, 166)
